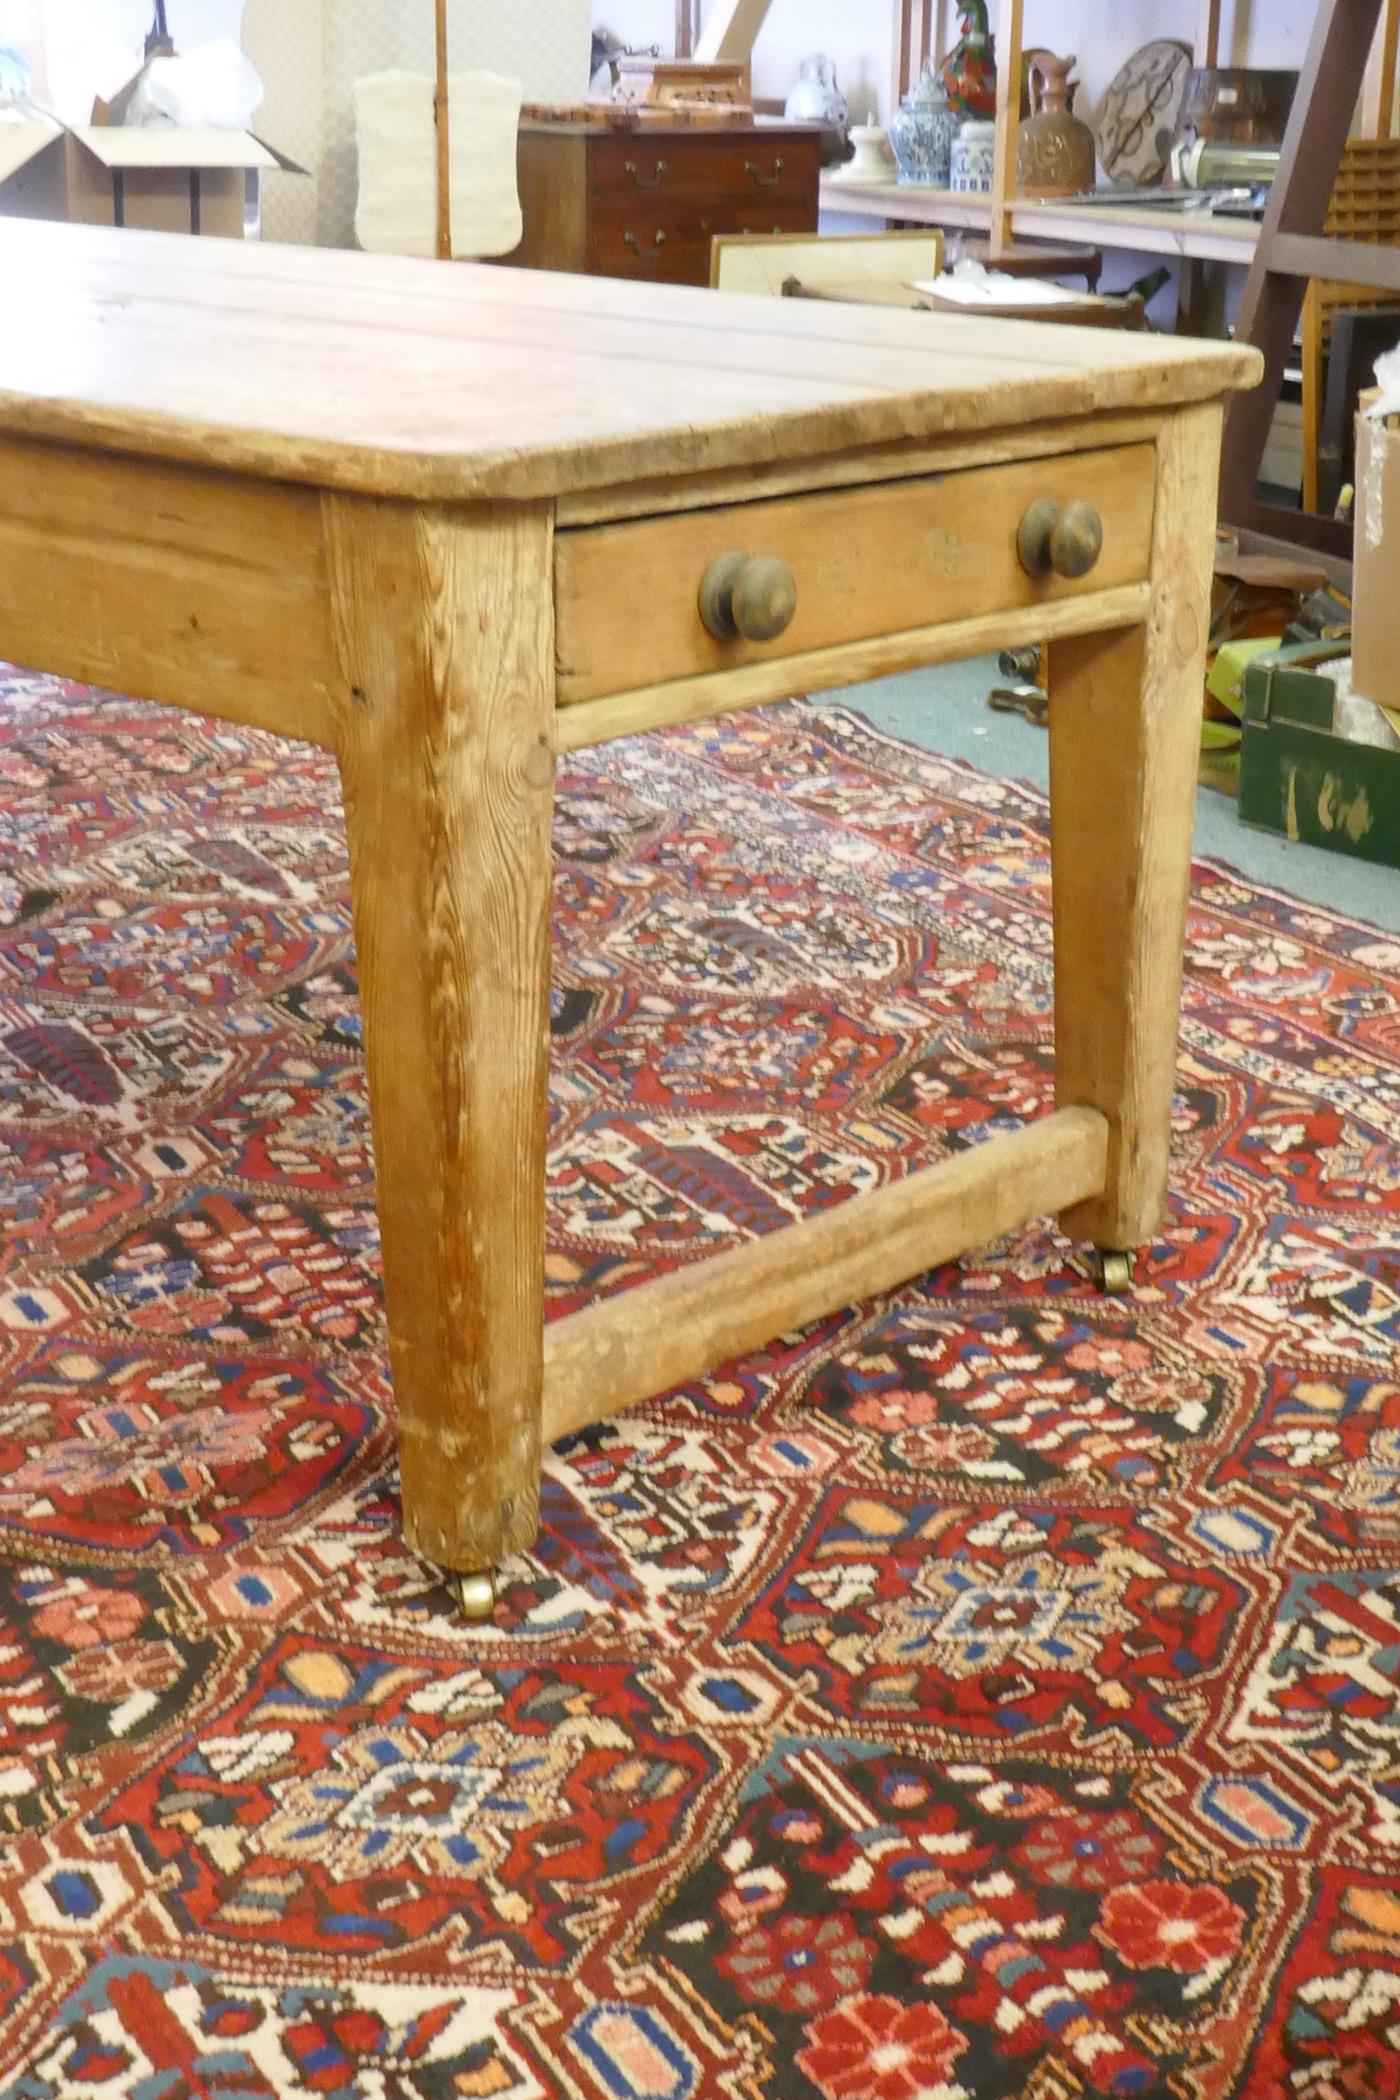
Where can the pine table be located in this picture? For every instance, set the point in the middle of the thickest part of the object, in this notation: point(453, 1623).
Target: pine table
point(449, 522)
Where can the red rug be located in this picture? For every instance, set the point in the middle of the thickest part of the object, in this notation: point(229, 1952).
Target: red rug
point(995, 1692)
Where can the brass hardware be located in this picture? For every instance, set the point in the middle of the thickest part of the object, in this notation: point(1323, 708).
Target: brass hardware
point(477, 1595)
point(1027, 700)
point(1113, 1272)
point(1058, 539)
point(750, 598)
point(644, 182)
point(633, 241)
point(757, 176)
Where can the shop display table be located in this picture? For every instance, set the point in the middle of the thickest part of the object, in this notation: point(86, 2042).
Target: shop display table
point(449, 522)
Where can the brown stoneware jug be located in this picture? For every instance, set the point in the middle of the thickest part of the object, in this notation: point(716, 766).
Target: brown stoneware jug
point(1054, 150)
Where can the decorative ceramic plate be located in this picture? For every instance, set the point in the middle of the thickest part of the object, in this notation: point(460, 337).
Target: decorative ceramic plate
point(1138, 116)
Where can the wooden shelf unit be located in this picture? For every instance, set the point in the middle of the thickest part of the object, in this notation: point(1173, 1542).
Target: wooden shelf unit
point(1138, 229)
point(922, 27)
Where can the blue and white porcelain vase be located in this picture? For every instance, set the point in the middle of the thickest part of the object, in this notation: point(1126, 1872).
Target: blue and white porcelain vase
point(974, 157)
point(923, 131)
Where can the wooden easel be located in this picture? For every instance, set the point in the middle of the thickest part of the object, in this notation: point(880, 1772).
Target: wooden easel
point(1344, 55)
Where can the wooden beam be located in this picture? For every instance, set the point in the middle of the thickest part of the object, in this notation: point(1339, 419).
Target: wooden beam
point(1286, 531)
point(1342, 262)
point(644, 1342)
point(1378, 95)
point(732, 31)
point(1208, 33)
point(1009, 24)
point(902, 45)
point(443, 119)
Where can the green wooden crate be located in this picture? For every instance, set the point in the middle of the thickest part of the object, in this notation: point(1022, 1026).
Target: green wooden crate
point(1298, 778)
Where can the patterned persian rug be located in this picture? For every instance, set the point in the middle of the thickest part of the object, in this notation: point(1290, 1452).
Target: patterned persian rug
point(994, 1692)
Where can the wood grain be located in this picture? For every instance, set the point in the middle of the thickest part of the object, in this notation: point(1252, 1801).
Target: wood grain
point(1378, 95)
point(730, 692)
point(1008, 121)
point(654, 1337)
point(868, 562)
point(396, 376)
point(552, 176)
point(887, 463)
point(442, 119)
point(444, 625)
point(1125, 723)
point(176, 586)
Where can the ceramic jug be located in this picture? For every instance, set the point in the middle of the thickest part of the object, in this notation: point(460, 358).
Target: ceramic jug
point(1055, 153)
point(817, 99)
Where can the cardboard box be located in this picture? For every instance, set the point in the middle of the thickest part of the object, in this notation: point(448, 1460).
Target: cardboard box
point(1375, 604)
point(1298, 777)
point(158, 177)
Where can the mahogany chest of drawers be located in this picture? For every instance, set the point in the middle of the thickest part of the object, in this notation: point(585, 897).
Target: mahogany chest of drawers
point(647, 204)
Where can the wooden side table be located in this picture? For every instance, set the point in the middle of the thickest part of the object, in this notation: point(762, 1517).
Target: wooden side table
point(450, 522)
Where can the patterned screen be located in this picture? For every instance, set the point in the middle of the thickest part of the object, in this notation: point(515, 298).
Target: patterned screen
point(309, 53)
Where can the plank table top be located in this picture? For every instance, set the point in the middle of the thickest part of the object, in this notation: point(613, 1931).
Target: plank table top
point(395, 377)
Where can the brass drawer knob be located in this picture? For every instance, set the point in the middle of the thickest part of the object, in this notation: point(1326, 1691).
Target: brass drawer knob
point(1060, 539)
point(753, 598)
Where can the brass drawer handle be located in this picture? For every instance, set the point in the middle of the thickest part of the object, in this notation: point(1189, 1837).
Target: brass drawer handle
point(1060, 540)
point(645, 182)
point(750, 598)
point(759, 179)
point(634, 243)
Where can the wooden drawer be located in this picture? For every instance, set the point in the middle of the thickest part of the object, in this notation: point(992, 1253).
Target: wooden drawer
point(673, 247)
point(628, 169)
point(726, 170)
point(867, 562)
point(656, 205)
point(662, 248)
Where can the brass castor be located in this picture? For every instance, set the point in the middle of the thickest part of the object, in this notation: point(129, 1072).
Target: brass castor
point(477, 1595)
point(1113, 1272)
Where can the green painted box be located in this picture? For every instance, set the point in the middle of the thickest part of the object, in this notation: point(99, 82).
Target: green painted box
point(1298, 777)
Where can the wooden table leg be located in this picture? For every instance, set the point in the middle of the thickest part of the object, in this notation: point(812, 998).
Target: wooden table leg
point(445, 630)
point(1125, 720)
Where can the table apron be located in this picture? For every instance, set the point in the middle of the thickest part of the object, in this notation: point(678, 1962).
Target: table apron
point(200, 590)
point(824, 670)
